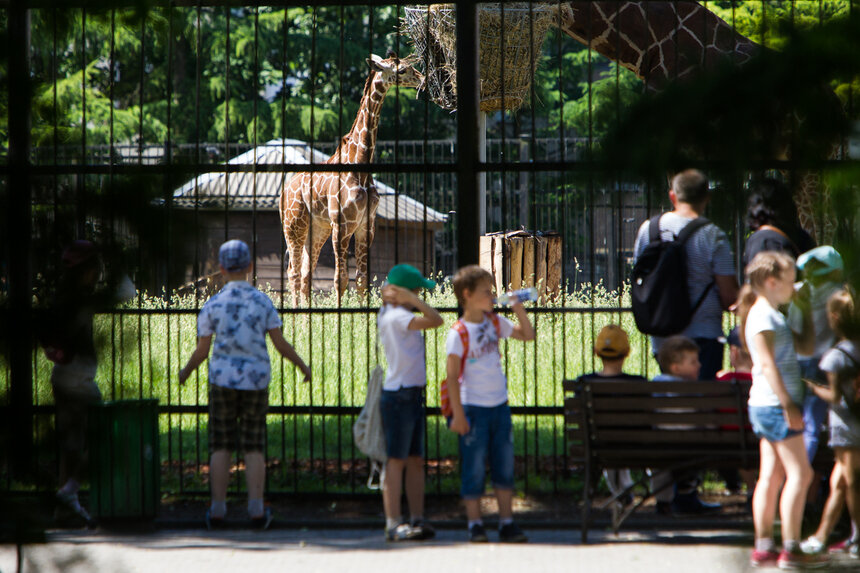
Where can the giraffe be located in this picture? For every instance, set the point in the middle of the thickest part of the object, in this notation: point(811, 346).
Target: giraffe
point(340, 204)
point(661, 41)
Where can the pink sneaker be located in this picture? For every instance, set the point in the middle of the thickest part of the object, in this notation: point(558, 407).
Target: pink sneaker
point(763, 558)
point(841, 547)
point(788, 560)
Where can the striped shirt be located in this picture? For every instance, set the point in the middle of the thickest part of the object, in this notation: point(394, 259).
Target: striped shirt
point(708, 255)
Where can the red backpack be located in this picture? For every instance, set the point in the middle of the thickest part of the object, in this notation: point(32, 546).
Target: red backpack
point(444, 400)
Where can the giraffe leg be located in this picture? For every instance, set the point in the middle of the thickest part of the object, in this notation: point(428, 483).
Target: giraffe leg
point(340, 236)
point(363, 240)
point(296, 237)
point(319, 235)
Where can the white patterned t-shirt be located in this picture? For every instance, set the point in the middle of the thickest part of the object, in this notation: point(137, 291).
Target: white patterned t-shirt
point(239, 316)
point(483, 382)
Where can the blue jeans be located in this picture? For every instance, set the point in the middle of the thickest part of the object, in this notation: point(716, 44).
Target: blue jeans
point(403, 421)
point(814, 408)
point(491, 435)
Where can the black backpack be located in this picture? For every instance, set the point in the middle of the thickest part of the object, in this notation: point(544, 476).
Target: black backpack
point(661, 300)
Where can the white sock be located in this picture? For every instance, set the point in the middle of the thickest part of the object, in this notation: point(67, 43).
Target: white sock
point(791, 545)
point(218, 509)
point(391, 522)
point(255, 507)
point(764, 544)
point(475, 522)
point(855, 534)
point(505, 521)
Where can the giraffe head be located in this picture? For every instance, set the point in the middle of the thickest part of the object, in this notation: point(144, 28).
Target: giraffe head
point(396, 71)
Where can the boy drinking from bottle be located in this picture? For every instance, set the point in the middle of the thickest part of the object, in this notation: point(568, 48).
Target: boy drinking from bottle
point(478, 395)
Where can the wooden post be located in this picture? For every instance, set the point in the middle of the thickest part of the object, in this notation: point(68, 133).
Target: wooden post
point(540, 269)
point(485, 253)
point(516, 262)
point(529, 246)
point(500, 263)
point(553, 263)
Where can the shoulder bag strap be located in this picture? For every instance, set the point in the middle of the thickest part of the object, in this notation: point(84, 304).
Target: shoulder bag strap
point(682, 238)
point(654, 229)
point(848, 354)
point(464, 339)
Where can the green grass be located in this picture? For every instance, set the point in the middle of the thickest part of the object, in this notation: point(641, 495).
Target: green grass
point(140, 356)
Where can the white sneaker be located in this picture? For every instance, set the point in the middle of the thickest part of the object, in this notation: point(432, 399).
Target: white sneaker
point(812, 546)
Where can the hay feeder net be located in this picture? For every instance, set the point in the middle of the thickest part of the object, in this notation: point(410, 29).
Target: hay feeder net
point(511, 37)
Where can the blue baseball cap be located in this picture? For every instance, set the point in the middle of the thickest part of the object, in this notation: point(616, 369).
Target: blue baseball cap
point(827, 259)
point(234, 255)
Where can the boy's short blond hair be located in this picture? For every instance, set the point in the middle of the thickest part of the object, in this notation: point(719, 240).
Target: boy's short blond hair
point(673, 349)
point(468, 278)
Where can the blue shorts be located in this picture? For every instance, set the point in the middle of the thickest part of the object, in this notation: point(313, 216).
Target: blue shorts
point(491, 435)
point(403, 421)
point(768, 422)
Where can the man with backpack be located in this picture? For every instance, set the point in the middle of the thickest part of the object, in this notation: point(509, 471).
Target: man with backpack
point(683, 279)
point(704, 268)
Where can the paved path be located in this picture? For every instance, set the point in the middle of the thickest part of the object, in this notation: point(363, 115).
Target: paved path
point(353, 550)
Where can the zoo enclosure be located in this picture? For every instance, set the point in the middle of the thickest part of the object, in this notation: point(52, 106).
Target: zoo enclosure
point(57, 191)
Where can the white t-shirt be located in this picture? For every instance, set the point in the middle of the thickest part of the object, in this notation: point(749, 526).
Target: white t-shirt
point(404, 348)
point(824, 337)
point(482, 382)
point(763, 317)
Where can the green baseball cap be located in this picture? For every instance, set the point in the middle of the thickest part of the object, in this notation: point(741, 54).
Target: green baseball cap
point(407, 276)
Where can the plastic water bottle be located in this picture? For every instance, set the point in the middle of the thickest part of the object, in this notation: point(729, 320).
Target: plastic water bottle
point(524, 295)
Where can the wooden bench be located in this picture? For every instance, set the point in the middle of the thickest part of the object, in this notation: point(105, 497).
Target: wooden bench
point(675, 426)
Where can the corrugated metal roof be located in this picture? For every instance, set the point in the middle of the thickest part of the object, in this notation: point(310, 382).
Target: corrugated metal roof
point(211, 190)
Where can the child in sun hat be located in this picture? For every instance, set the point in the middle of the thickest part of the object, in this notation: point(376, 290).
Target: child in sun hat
point(612, 346)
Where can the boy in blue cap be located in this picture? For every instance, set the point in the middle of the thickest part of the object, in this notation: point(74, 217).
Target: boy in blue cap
point(239, 316)
point(822, 276)
point(402, 401)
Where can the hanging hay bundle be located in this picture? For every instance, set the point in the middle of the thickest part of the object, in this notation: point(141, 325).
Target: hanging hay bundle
point(510, 50)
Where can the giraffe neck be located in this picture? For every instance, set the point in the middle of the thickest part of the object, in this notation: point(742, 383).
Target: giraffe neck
point(658, 41)
point(359, 144)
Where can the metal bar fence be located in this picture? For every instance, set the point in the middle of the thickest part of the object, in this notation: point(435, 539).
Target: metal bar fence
point(171, 162)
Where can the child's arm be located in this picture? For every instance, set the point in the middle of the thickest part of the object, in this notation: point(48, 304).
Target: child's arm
point(763, 343)
point(459, 423)
point(524, 329)
point(804, 339)
point(197, 357)
point(287, 351)
point(823, 392)
point(430, 317)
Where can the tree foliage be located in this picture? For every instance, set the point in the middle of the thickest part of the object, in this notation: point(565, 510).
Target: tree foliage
point(246, 74)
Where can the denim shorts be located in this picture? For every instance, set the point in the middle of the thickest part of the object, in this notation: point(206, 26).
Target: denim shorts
point(768, 422)
point(491, 435)
point(403, 421)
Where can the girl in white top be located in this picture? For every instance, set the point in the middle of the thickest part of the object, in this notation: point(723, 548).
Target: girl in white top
point(775, 410)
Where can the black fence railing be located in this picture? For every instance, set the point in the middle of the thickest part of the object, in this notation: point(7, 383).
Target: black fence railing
point(149, 131)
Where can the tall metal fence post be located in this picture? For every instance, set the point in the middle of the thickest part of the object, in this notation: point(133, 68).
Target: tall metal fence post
point(18, 227)
point(468, 210)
